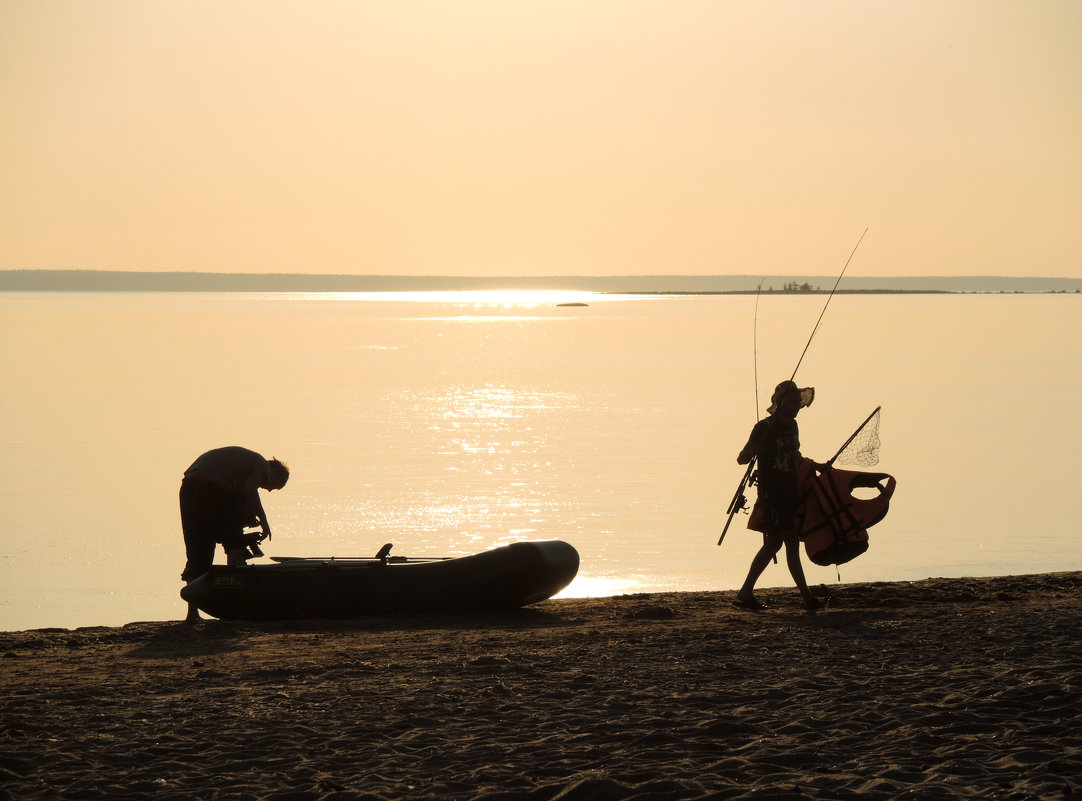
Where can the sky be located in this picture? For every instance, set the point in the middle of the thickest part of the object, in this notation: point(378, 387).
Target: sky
point(512, 137)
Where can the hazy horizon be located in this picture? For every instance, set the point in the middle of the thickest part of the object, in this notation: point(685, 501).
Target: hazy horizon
point(196, 281)
point(485, 138)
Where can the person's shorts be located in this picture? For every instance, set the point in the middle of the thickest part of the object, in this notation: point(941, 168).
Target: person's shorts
point(208, 515)
point(779, 508)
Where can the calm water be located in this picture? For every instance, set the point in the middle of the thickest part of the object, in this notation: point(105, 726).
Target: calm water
point(451, 424)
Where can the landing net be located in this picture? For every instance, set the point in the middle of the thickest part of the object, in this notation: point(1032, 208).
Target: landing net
point(862, 449)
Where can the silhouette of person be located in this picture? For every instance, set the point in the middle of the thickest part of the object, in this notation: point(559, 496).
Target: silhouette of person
point(219, 497)
point(775, 442)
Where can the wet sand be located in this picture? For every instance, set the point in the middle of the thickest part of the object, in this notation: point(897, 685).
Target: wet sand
point(939, 689)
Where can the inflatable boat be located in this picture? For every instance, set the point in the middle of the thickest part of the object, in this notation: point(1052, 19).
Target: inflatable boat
point(328, 587)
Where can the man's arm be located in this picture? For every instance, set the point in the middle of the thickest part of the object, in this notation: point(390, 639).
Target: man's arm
point(751, 450)
point(255, 505)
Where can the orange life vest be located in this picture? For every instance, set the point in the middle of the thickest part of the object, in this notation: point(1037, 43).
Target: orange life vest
point(831, 522)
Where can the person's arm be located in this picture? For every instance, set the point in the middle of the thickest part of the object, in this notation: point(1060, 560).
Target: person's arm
point(751, 450)
point(255, 505)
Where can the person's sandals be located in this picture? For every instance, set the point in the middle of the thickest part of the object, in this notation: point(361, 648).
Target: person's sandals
point(751, 604)
point(813, 604)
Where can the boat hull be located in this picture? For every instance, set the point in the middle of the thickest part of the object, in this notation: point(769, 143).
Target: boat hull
point(503, 578)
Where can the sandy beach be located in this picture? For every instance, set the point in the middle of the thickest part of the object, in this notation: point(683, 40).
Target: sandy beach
point(945, 688)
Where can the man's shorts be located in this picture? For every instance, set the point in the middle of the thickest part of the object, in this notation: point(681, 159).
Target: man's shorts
point(778, 503)
point(208, 515)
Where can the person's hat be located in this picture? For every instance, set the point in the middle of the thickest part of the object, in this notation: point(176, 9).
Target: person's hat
point(807, 395)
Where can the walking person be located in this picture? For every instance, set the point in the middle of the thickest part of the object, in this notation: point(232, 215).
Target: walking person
point(775, 443)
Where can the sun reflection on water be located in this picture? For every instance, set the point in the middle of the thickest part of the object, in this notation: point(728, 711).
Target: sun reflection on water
point(490, 402)
point(599, 587)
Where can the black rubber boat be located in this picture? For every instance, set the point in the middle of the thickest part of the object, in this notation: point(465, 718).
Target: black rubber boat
point(503, 578)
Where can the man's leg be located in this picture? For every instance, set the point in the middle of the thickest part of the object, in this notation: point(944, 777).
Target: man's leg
point(193, 615)
point(792, 558)
point(196, 522)
point(771, 545)
point(200, 557)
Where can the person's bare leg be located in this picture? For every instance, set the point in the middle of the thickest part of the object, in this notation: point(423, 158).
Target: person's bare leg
point(792, 559)
point(193, 613)
point(771, 545)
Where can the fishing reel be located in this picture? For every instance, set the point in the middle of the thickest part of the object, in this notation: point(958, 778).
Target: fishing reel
point(738, 504)
point(740, 500)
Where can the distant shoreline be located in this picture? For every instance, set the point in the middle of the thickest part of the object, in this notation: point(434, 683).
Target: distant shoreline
point(127, 281)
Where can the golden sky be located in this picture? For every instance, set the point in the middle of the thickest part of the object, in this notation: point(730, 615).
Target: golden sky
point(511, 137)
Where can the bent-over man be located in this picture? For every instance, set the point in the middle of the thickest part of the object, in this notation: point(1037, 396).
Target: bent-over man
point(219, 497)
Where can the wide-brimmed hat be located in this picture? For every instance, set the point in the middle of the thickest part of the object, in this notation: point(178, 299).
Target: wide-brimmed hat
point(807, 395)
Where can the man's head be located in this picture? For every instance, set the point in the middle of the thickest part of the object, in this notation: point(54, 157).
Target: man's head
point(279, 475)
point(790, 399)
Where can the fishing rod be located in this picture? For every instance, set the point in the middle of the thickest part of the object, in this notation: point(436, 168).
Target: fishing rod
point(755, 343)
point(357, 560)
point(739, 500)
point(829, 297)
